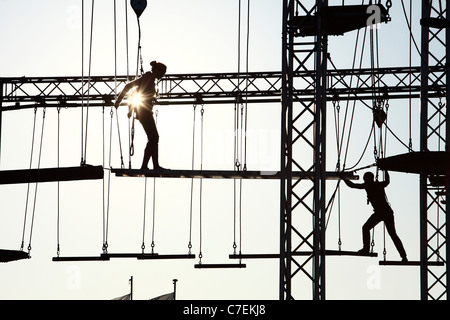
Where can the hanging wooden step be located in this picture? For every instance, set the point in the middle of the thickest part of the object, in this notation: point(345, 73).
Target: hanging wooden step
point(149, 256)
point(220, 266)
point(51, 174)
point(80, 258)
point(12, 255)
point(350, 253)
point(409, 263)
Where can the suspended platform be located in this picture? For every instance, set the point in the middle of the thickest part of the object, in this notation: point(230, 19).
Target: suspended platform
point(223, 174)
point(139, 256)
point(430, 163)
point(51, 174)
point(85, 258)
point(12, 255)
point(149, 256)
point(337, 20)
point(410, 263)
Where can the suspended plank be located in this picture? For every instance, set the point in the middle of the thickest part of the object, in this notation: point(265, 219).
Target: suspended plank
point(432, 163)
point(220, 266)
point(350, 253)
point(51, 174)
point(224, 174)
point(149, 256)
point(410, 263)
point(82, 258)
point(255, 256)
point(12, 255)
point(301, 253)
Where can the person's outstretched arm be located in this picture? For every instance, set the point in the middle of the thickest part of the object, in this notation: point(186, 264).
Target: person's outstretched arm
point(353, 185)
point(125, 90)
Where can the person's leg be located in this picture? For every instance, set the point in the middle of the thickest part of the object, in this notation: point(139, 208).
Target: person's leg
point(151, 149)
point(390, 227)
point(147, 154)
point(369, 225)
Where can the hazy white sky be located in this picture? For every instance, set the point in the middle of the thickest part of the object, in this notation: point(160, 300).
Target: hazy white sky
point(43, 38)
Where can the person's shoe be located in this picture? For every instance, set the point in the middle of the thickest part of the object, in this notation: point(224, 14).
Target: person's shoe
point(364, 251)
point(144, 168)
point(404, 259)
point(159, 168)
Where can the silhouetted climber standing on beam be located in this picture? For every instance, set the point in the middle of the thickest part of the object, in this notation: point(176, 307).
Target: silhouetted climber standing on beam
point(382, 211)
point(146, 96)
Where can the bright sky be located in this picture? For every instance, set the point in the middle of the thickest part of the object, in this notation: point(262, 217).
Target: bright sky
point(43, 38)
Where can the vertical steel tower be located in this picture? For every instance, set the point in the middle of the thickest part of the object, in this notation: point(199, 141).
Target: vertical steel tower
point(434, 138)
point(302, 201)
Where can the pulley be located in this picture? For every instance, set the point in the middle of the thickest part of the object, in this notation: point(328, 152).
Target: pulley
point(138, 6)
point(379, 116)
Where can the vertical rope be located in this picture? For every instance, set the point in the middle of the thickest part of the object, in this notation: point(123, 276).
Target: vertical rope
point(139, 53)
point(246, 85)
point(143, 223)
point(126, 38)
point(58, 189)
point(82, 82)
point(115, 51)
point(36, 188)
point(130, 133)
point(89, 84)
point(154, 214)
point(154, 199)
point(192, 181)
point(410, 76)
point(28, 185)
point(201, 183)
point(104, 246)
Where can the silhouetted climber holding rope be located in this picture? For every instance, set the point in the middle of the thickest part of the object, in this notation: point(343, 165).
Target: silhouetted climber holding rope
point(382, 211)
point(142, 104)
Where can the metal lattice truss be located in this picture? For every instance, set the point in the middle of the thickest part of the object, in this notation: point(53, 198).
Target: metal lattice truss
point(213, 88)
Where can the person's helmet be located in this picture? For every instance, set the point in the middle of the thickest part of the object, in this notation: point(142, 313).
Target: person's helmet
point(159, 69)
point(368, 177)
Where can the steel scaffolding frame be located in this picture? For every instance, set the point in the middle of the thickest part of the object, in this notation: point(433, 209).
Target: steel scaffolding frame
point(303, 122)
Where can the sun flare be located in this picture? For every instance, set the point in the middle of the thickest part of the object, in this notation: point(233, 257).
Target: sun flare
point(136, 99)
